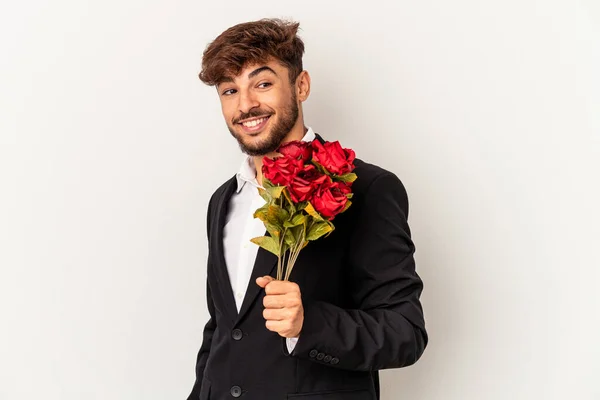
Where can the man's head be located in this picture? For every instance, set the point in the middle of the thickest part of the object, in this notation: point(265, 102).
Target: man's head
point(257, 70)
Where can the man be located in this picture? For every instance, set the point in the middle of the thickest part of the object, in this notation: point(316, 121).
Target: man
point(351, 306)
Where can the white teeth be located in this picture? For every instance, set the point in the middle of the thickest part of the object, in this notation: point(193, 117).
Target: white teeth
point(253, 123)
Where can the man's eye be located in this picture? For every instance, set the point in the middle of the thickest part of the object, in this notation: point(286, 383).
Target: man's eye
point(228, 92)
point(264, 84)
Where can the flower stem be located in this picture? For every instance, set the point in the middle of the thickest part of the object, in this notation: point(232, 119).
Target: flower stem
point(279, 258)
point(287, 264)
point(281, 255)
point(296, 253)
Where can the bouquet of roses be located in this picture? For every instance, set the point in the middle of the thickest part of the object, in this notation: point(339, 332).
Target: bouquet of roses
point(304, 189)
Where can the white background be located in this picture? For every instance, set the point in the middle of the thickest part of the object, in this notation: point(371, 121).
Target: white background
point(110, 147)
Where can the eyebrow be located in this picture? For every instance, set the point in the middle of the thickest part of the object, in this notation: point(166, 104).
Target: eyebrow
point(251, 74)
point(259, 70)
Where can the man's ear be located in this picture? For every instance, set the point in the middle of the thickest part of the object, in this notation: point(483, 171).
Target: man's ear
point(303, 86)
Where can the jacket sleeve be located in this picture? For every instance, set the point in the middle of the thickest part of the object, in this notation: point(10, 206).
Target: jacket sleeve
point(209, 328)
point(387, 328)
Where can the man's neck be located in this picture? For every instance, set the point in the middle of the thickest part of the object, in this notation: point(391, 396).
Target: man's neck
point(294, 134)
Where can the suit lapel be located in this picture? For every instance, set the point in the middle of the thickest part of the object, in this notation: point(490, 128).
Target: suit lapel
point(319, 138)
point(221, 266)
point(264, 264)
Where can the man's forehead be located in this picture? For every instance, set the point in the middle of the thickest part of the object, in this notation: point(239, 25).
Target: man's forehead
point(254, 68)
point(254, 64)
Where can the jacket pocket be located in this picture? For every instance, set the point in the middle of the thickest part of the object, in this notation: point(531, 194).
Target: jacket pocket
point(205, 389)
point(348, 394)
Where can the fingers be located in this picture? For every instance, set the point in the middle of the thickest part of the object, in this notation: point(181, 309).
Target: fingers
point(277, 314)
point(283, 312)
point(284, 328)
point(281, 287)
point(273, 286)
point(281, 301)
point(275, 301)
point(264, 280)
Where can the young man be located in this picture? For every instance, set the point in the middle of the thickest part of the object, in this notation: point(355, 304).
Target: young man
point(352, 305)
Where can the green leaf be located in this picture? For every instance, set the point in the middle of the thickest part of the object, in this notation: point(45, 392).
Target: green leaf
point(321, 168)
point(277, 215)
point(329, 233)
point(275, 191)
point(349, 177)
point(273, 229)
point(296, 220)
point(261, 213)
point(312, 212)
point(348, 203)
point(264, 194)
point(269, 215)
point(302, 205)
point(319, 229)
point(268, 243)
point(290, 202)
point(266, 183)
point(289, 238)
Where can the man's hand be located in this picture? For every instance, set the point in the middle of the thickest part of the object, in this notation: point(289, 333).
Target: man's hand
point(283, 306)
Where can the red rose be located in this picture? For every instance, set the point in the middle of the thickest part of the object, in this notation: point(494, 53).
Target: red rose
point(333, 157)
point(280, 170)
point(297, 150)
point(343, 187)
point(330, 199)
point(306, 181)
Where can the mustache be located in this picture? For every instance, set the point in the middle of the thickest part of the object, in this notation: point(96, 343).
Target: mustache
point(251, 114)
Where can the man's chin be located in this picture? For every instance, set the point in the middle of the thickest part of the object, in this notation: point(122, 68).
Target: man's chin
point(260, 143)
point(259, 148)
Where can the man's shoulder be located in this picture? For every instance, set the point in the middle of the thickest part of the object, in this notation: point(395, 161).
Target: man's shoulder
point(378, 187)
point(229, 184)
point(367, 174)
point(224, 186)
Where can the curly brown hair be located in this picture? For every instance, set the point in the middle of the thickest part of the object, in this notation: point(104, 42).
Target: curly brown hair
point(252, 43)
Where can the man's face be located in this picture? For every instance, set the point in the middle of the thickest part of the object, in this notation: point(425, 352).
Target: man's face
point(260, 107)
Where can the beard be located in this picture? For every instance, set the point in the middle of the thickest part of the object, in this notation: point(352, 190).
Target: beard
point(285, 122)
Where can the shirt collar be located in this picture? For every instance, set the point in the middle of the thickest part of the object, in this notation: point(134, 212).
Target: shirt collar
point(247, 171)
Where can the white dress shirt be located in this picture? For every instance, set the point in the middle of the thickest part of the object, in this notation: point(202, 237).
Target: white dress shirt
point(241, 226)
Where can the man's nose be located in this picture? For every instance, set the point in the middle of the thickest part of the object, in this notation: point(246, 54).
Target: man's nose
point(247, 101)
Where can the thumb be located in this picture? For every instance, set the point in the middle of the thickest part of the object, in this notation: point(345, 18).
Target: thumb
point(264, 280)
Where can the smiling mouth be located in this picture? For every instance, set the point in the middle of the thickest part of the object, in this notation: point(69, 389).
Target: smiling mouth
point(254, 125)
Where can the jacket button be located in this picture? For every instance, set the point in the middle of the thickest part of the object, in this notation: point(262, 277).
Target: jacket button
point(237, 334)
point(313, 353)
point(335, 360)
point(320, 356)
point(236, 391)
point(327, 358)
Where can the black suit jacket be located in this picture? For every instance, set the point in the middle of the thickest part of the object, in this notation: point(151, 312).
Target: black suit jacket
point(360, 293)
